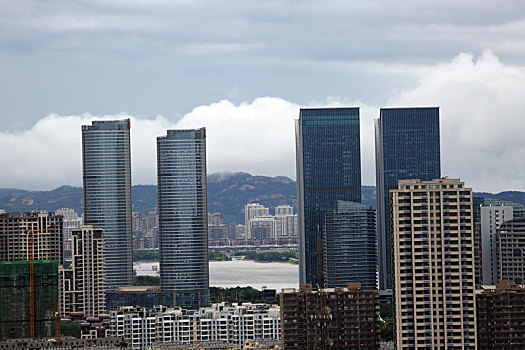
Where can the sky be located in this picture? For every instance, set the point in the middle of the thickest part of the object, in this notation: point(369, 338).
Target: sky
point(243, 68)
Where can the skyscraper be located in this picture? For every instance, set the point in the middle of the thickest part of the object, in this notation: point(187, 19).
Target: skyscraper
point(183, 215)
point(407, 147)
point(349, 245)
point(328, 170)
point(107, 195)
point(433, 245)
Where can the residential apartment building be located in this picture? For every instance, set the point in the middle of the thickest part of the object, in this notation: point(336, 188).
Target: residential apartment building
point(229, 324)
point(252, 211)
point(45, 229)
point(500, 313)
point(407, 147)
point(511, 250)
point(491, 218)
point(70, 221)
point(332, 318)
point(106, 165)
point(328, 159)
point(82, 285)
point(432, 236)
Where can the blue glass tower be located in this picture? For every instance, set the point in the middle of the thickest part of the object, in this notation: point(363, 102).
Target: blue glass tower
point(107, 195)
point(183, 216)
point(350, 245)
point(328, 170)
point(407, 147)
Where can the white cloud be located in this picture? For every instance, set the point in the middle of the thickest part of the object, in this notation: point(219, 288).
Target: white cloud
point(482, 103)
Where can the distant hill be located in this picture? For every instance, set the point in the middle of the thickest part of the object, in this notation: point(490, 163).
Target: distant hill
point(228, 193)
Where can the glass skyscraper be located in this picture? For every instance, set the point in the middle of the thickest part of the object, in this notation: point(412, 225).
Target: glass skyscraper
point(107, 195)
point(183, 216)
point(328, 170)
point(350, 245)
point(407, 147)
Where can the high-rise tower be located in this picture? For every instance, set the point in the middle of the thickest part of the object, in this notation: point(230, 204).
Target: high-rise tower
point(107, 195)
point(328, 170)
point(433, 263)
point(183, 216)
point(407, 147)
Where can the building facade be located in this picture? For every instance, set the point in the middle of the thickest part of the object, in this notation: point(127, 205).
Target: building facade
point(46, 230)
point(82, 285)
point(333, 318)
point(434, 289)
point(407, 147)
point(70, 221)
point(328, 169)
point(511, 250)
point(500, 314)
point(106, 164)
point(491, 219)
point(183, 215)
point(349, 246)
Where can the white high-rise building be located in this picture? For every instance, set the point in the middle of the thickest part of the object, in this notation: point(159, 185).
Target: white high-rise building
point(71, 221)
point(252, 211)
point(282, 210)
point(491, 218)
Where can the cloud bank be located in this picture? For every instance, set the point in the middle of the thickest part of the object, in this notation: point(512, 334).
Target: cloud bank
point(482, 104)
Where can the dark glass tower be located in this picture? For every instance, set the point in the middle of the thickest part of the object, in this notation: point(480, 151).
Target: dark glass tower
point(350, 245)
point(328, 170)
point(183, 216)
point(107, 195)
point(407, 147)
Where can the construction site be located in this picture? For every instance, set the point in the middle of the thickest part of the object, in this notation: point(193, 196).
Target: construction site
point(28, 307)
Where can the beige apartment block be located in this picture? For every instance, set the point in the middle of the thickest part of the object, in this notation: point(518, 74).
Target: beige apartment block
point(434, 287)
point(82, 285)
point(17, 230)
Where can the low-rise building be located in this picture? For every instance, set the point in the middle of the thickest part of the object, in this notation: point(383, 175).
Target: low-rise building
point(220, 323)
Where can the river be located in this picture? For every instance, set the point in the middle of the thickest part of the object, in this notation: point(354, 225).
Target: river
point(240, 273)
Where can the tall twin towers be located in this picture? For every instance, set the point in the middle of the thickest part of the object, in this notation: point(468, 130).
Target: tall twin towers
point(182, 206)
point(329, 171)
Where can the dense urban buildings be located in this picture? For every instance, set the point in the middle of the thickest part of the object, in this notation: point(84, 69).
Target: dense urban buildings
point(432, 231)
point(82, 285)
point(407, 147)
point(232, 325)
point(491, 218)
point(511, 250)
point(500, 314)
point(107, 194)
point(145, 230)
point(45, 229)
point(183, 215)
point(328, 169)
point(331, 318)
point(349, 245)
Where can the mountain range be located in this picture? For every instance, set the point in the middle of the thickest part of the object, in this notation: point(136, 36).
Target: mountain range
point(228, 193)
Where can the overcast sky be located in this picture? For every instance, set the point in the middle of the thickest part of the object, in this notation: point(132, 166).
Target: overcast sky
point(243, 68)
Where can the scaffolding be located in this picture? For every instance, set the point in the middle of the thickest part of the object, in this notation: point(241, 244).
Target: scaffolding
point(15, 317)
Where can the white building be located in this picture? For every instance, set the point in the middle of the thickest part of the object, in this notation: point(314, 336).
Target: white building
point(252, 211)
point(232, 324)
point(283, 210)
point(491, 218)
point(71, 221)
